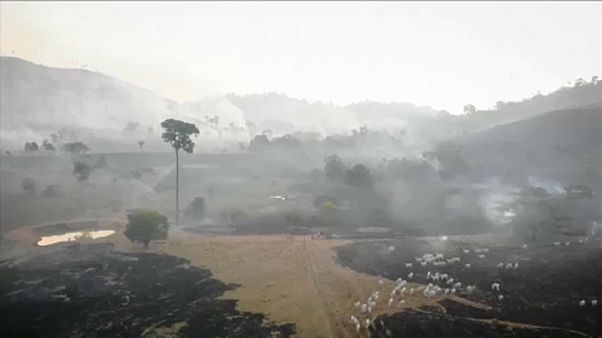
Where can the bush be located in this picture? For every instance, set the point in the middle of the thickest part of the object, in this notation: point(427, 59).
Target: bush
point(145, 226)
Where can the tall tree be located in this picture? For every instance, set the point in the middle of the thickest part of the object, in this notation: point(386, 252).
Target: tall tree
point(177, 134)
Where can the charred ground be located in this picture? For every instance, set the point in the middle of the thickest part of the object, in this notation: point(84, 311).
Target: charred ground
point(92, 291)
point(544, 290)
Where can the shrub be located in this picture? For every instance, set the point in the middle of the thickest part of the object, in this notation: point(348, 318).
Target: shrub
point(145, 226)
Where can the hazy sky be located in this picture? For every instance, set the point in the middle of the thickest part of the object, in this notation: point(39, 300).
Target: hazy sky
point(439, 54)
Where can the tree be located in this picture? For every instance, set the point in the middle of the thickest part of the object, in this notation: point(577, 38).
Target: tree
point(358, 176)
point(75, 148)
point(196, 209)
point(177, 134)
point(48, 146)
point(141, 144)
point(31, 146)
point(469, 109)
point(28, 185)
point(145, 226)
point(82, 171)
point(334, 169)
point(132, 126)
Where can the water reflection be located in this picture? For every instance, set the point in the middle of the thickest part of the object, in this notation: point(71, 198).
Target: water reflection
point(72, 236)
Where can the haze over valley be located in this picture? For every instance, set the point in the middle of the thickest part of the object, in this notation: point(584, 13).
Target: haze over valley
point(238, 180)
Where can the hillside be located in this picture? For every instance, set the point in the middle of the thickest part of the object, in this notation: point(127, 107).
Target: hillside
point(39, 102)
point(38, 95)
point(582, 94)
point(564, 145)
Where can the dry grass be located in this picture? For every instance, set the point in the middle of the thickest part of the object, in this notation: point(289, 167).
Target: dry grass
point(296, 281)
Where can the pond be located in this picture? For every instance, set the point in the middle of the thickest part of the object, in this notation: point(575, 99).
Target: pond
point(73, 236)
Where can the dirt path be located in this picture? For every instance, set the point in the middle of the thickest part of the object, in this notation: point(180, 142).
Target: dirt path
point(333, 319)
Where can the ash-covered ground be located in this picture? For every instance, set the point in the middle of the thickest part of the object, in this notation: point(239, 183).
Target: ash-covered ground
point(92, 291)
point(546, 290)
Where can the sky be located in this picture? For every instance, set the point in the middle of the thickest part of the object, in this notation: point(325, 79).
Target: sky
point(440, 54)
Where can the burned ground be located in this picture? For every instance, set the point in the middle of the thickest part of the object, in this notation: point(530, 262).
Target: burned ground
point(427, 324)
point(91, 291)
point(544, 290)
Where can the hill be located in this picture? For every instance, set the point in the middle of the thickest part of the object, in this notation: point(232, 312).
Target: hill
point(564, 145)
point(39, 102)
point(582, 94)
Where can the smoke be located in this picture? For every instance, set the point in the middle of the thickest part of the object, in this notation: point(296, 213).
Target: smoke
point(552, 188)
point(497, 205)
point(596, 227)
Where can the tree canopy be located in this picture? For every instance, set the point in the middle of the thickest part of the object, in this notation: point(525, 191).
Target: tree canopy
point(177, 134)
point(82, 171)
point(334, 169)
point(76, 147)
point(145, 226)
point(31, 146)
point(48, 146)
point(358, 176)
